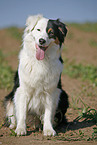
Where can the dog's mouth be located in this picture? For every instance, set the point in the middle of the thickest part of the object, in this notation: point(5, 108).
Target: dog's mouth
point(40, 52)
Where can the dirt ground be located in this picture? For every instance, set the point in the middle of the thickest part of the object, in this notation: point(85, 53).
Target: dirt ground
point(77, 49)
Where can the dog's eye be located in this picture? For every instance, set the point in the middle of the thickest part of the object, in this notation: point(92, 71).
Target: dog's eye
point(51, 33)
point(38, 29)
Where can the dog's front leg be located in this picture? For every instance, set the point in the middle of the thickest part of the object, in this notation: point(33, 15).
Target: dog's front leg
point(21, 102)
point(47, 127)
point(50, 108)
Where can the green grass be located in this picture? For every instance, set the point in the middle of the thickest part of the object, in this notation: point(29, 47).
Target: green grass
point(12, 133)
point(70, 35)
point(85, 72)
point(6, 73)
point(15, 33)
point(85, 114)
point(93, 43)
point(94, 134)
point(86, 27)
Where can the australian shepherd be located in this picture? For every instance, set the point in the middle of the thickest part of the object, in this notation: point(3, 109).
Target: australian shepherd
point(37, 83)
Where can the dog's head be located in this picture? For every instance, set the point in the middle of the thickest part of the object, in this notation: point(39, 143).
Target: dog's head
point(45, 32)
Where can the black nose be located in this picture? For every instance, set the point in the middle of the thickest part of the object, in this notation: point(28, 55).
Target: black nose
point(42, 41)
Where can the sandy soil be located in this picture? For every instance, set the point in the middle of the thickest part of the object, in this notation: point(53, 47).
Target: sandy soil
point(78, 49)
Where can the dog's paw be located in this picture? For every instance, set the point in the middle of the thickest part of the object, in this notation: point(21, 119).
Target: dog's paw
point(20, 131)
point(49, 132)
point(12, 126)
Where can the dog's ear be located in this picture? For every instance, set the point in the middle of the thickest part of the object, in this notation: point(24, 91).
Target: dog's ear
point(32, 21)
point(62, 30)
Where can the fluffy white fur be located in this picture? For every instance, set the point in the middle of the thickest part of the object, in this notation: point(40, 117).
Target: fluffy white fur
point(38, 90)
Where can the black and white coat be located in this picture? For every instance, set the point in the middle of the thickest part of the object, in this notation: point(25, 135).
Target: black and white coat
point(38, 80)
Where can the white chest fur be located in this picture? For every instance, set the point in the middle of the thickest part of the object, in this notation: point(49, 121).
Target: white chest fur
point(42, 74)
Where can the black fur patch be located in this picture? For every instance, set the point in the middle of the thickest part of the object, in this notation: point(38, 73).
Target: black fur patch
point(62, 105)
point(57, 29)
point(10, 96)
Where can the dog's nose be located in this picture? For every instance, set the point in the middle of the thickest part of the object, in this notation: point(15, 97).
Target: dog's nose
point(42, 41)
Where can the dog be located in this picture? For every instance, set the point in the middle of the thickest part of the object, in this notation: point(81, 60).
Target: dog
point(37, 83)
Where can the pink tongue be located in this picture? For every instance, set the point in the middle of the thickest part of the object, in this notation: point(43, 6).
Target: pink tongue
point(39, 53)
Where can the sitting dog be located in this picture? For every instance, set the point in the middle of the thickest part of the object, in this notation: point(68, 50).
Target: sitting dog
point(37, 83)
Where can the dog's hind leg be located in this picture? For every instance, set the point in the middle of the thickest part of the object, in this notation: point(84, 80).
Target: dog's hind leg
point(10, 112)
point(9, 105)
